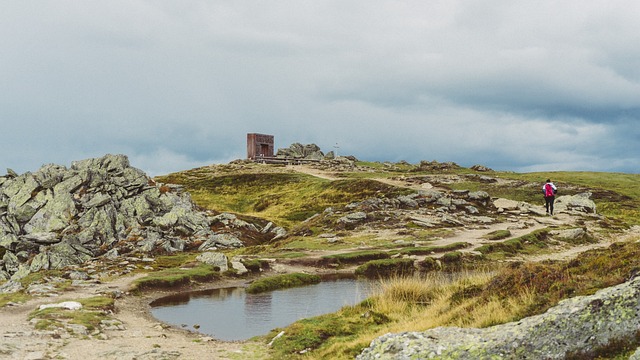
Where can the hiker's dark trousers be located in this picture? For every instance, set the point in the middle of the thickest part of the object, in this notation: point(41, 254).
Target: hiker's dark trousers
point(548, 203)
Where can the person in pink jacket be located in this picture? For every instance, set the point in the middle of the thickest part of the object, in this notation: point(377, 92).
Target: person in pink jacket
point(549, 190)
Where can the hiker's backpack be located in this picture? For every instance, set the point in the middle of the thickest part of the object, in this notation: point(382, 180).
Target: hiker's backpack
point(548, 190)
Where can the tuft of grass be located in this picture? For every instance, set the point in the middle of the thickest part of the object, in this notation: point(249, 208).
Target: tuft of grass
point(174, 260)
point(172, 277)
point(426, 250)
point(255, 265)
point(385, 268)
point(526, 244)
point(17, 297)
point(355, 257)
point(497, 235)
point(281, 282)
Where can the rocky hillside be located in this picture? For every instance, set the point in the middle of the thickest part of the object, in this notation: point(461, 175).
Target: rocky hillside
point(58, 216)
point(341, 216)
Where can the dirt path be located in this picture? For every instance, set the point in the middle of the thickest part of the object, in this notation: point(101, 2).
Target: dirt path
point(305, 169)
point(143, 337)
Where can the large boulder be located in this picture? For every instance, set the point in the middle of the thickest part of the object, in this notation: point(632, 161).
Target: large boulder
point(214, 259)
point(578, 326)
point(580, 203)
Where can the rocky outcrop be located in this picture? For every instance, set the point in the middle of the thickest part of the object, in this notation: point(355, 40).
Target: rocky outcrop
point(299, 151)
point(58, 217)
point(481, 168)
point(436, 166)
point(576, 327)
point(579, 203)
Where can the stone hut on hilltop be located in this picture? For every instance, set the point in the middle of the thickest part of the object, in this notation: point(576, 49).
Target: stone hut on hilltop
point(260, 145)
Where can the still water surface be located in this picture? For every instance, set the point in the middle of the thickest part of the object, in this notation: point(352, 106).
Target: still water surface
point(232, 314)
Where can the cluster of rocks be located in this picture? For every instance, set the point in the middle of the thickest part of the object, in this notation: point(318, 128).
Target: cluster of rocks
point(577, 327)
point(432, 208)
point(427, 208)
point(58, 217)
point(338, 165)
point(480, 168)
point(571, 204)
point(308, 151)
point(436, 166)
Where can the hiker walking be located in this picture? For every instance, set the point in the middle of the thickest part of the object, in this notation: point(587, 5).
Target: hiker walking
point(549, 190)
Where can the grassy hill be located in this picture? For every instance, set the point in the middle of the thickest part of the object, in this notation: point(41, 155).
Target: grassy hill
point(459, 284)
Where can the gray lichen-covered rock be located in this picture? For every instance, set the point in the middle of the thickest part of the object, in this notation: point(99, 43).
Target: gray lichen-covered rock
point(215, 259)
point(571, 234)
point(220, 240)
point(298, 151)
point(353, 218)
point(576, 326)
point(61, 216)
point(581, 203)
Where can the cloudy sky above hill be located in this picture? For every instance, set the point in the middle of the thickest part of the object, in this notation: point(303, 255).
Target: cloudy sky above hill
point(513, 85)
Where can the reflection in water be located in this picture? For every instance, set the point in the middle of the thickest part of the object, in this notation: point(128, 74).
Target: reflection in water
point(257, 309)
point(232, 314)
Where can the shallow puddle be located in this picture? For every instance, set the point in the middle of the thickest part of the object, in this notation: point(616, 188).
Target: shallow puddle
point(232, 314)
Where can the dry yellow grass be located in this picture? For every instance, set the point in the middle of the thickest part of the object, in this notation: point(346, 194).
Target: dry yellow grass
point(425, 302)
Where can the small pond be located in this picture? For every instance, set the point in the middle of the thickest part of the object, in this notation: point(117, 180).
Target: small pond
point(232, 314)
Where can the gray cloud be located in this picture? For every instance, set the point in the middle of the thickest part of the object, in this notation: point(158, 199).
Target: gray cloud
point(520, 86)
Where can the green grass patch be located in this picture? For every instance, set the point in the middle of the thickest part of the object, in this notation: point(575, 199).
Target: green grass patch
point(174, 260)
point(94, 310)
point(255, 265)
point(172, 277)
point(282, 282)
point(386, 268)
point(527, 244)
point(285, 198)
point(311, 333)
point(17, 297)
point(497, 235)
point(426, 250)
point(41, 276)
point(355, 257)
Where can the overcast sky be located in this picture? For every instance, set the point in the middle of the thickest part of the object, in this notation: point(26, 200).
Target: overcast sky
point(512, 85)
